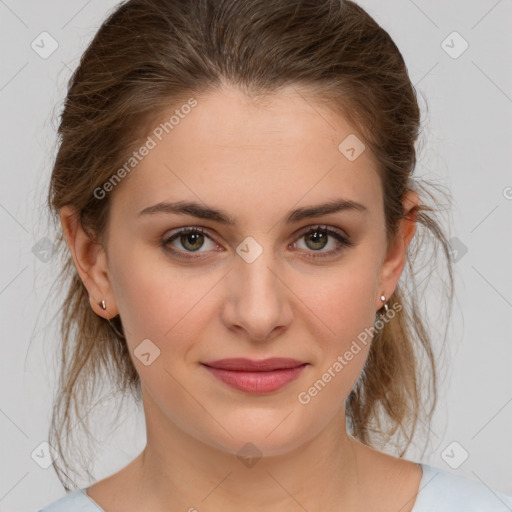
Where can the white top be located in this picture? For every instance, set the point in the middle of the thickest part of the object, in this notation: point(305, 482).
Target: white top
point(439, 491)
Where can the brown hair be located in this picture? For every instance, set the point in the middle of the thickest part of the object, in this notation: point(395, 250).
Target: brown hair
point(150, 54)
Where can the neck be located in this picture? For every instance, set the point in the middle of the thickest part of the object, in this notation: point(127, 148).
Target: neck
point(179, 469)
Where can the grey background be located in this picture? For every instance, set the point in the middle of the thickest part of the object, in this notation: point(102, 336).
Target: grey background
point(466, 147)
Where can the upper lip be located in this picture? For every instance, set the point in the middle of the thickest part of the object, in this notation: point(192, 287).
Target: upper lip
point(262, 365)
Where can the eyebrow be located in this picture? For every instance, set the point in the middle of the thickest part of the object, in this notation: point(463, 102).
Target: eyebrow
point(205, 212)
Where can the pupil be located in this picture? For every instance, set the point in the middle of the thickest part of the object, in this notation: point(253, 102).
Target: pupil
point(192, 237)
point(317, 238)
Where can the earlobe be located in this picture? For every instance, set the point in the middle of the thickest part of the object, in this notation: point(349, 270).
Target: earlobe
point(90, 262)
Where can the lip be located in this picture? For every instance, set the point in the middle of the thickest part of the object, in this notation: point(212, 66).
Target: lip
point(264, 376)
point(252, 365)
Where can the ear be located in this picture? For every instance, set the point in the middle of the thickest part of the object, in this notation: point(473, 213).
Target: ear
point(396, 255)
point(90, 262)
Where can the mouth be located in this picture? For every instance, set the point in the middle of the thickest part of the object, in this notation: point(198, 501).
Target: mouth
point(252, 365)
point(264, 376)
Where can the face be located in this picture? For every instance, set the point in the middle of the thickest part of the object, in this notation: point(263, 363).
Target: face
point(258, 288)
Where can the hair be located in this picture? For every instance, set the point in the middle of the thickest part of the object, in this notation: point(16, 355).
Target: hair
point(150, 54)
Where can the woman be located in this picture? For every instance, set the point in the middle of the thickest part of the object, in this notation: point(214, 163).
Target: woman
point(234, 186)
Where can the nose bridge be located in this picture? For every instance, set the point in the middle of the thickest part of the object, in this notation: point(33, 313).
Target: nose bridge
point(258, 278)
point(257, 295)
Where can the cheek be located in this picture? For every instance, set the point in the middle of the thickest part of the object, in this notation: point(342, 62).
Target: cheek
point(158, 302)
point(346, 308)
point(342, 301)
point(340, 306)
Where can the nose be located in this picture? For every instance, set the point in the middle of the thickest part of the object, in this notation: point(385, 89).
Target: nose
point(258, 299)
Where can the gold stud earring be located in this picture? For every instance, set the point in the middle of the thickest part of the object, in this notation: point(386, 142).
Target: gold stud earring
point(103, 306)
point(386, 307)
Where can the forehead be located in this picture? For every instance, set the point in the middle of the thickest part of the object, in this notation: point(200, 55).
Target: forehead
point(250, 156)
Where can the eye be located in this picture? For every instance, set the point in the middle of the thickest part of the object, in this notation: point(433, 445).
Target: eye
point(317, 238)
point(192, 239)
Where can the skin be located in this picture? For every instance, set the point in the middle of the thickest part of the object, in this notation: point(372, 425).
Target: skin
point(256, 161)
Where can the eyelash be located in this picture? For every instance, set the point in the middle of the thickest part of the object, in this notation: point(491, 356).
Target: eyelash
point(342, 241)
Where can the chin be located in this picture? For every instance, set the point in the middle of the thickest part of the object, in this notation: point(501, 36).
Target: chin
point(260, 434)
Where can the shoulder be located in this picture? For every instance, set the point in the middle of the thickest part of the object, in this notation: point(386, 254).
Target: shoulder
point(445, 492)
point(77, 501)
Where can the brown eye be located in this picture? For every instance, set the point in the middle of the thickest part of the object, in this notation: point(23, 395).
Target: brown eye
point(190, 240)
point(318, 237)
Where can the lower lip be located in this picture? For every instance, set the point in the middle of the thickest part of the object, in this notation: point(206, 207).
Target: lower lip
point(257, 382)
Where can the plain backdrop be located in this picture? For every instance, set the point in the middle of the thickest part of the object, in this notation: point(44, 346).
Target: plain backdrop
point(459, 56)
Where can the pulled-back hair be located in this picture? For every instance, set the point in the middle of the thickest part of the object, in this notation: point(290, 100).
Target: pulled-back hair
point(152, 54)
